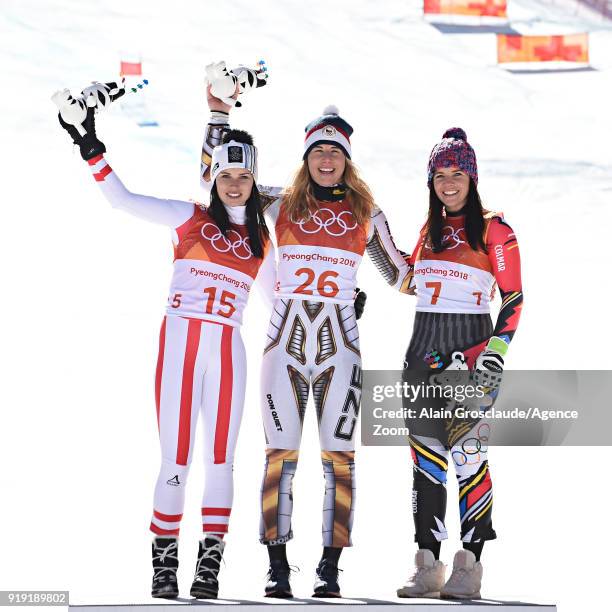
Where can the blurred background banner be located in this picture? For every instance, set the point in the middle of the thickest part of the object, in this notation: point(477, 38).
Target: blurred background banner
point(477, 8)
point(559, 48)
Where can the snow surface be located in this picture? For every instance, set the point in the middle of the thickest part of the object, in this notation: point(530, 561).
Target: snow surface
point(85, 286)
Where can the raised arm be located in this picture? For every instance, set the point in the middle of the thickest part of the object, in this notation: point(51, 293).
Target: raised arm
point(390, 262)
point(78, 118)
point(218, 125)
point(172, 213)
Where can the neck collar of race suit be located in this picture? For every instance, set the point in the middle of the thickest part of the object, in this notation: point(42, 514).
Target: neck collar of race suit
point(236, 214)
point(329, 194)
point(456, 213)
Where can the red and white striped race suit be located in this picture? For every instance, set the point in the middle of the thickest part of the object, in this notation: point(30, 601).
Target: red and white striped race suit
point(201, 367)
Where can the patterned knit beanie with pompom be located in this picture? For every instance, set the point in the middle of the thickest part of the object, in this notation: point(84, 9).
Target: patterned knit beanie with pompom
point(453, 150)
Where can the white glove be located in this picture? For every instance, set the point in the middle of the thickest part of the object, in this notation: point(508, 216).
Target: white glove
point(73, 111)
point(489, 365)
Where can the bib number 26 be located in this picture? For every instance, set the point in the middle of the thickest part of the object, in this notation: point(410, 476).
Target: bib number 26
point(324, 285)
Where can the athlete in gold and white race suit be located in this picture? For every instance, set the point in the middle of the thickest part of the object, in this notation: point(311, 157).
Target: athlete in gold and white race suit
point(313, 340)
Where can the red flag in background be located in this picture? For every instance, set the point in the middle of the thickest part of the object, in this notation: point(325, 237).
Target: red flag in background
point(131, 68)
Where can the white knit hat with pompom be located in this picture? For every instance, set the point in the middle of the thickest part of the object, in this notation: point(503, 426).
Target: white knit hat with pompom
point(329, 128)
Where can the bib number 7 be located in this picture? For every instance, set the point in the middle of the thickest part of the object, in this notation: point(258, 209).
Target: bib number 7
point(437, 288)
point(324, 285)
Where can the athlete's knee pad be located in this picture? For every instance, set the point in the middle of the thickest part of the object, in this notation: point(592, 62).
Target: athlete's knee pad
point(277, 496)
point(339, 501)
point(173, 474)
point(169, 498)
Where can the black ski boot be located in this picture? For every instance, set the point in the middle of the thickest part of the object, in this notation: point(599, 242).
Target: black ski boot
point(326, 584)
point(205, 584)
point(165, 564)
point(278, 580)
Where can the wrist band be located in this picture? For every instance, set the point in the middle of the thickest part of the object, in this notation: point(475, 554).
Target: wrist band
point(498, 345)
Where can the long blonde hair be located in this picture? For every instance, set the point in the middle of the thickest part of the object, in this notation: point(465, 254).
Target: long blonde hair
point(300, 201)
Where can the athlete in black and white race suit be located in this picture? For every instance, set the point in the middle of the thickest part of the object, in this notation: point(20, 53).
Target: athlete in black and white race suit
point(463, 252)
point(313, 340)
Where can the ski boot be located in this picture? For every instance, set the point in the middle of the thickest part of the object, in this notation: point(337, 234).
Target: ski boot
point(205, 584)
point(165, 564)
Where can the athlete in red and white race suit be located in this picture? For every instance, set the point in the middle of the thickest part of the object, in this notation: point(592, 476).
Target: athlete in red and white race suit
point(201, 367)
point(219, 250)
point(313, 338)
point(455, 283)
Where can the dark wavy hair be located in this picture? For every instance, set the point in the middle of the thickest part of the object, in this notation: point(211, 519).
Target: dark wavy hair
point(474, 220)
point(255, 222)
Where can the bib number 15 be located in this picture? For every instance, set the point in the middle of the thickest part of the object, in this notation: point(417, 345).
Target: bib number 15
point(324, 285)
point(226, 308)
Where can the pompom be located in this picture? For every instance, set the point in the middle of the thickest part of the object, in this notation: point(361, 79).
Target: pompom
point(237, 136)
point(455, 132)
point(331, 109)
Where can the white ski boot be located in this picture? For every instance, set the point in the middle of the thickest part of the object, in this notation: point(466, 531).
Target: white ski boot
point(427, 578)
point(465, 581)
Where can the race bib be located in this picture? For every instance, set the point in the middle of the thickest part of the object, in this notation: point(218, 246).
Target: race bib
point(204, 290)
point(447, 286)
point(321, 274)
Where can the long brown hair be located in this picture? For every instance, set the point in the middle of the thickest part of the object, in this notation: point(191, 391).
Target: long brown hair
point(474, 220)
point(300, 201)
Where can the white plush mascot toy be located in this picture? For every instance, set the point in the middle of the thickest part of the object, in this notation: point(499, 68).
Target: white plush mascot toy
point(97, 96)
point(223, 82)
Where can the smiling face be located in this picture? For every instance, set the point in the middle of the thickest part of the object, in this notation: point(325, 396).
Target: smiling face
point(234, 186)
point(451, 186)
point(326, 165)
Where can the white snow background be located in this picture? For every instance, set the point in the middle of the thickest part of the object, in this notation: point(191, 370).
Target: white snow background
point(85, 286)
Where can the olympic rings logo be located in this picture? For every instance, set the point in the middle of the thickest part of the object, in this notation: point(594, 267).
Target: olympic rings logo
point(240, 247)
point(452, 235)
point(327, 220)
point(473, 448)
